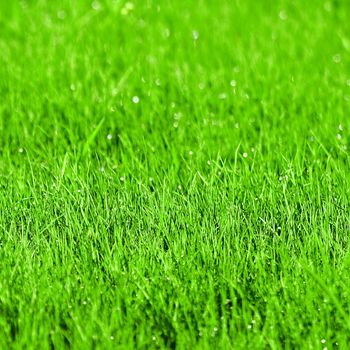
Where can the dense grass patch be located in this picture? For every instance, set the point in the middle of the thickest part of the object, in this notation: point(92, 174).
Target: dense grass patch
point(174, 174)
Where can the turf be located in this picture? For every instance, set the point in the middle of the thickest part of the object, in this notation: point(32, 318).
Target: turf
point(174, 174)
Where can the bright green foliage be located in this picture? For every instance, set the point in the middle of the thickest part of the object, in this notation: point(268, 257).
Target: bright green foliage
point(174, 174)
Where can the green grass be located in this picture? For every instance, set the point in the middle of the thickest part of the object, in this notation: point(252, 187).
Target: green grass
point(213, 213)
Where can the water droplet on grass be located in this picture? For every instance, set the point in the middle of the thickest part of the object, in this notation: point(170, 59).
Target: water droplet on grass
point(283, 15)
point(109, 136)
point(337, 58)
point(135, 99)
point(177, 116)
point(95, 5)
point(129, 6)
point(61, 15)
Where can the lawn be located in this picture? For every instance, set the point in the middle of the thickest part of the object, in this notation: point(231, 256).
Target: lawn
point(174, 174)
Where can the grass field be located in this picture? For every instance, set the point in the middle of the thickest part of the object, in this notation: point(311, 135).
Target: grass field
point(174, 174)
